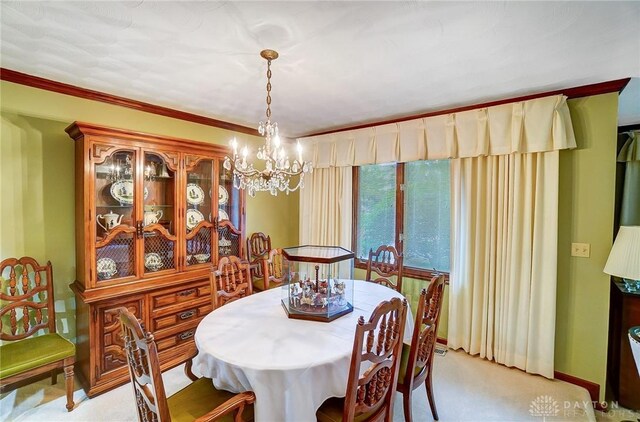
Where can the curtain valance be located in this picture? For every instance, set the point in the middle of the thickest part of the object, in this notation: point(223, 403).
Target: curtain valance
point(538, 125)
point(631, 149)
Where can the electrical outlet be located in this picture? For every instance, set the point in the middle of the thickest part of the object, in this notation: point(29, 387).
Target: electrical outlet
point(581, 250)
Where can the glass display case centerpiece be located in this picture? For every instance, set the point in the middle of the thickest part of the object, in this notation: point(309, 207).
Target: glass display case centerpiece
point(318, 283)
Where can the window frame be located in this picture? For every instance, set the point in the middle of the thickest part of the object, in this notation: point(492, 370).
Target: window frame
point(412, 272)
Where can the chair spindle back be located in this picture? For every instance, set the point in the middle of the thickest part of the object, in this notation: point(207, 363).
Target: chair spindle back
point(425, 331)
point(386, 262)
point(379, 342)
point(258, 246)
point(144, 369)
point(27, 290)
point(231, 281)
point(273, 269)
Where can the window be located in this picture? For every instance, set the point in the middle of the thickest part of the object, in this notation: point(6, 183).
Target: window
point(377, 208)
point(406, 205)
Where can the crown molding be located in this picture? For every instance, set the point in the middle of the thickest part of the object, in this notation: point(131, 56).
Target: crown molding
point(75, 91)
point(576, 92)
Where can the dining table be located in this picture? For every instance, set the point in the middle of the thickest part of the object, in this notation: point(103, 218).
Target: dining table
point(291, 365)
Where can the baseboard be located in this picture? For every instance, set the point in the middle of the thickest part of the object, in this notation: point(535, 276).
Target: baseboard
point(592, 388)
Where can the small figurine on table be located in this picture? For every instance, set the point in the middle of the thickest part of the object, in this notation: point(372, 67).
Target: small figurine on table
point(295, 295)
point(307, 296)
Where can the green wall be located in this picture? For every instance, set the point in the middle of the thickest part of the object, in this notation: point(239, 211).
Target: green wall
point(587, 195)
point(37, 179)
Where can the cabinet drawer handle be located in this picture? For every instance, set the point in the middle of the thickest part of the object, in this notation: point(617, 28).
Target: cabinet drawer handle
point(187, 292)
point(186, 335)
point(187, 314)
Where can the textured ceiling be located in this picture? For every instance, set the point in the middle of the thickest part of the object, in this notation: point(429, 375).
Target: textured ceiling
point(340, 63)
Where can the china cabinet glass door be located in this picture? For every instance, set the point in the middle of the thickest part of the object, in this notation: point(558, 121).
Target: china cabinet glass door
point(115, 216)
point(228, 198)
point(159, 214)
point(229, 215)
point(200, 215)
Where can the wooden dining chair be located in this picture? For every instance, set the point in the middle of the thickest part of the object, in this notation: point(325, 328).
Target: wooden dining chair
point(272, 271)
point(419, 355)
point(370, 396)
point(258, 246)
point(230, 281)
point(385, 262)
point(27, 309)
point(199, 401)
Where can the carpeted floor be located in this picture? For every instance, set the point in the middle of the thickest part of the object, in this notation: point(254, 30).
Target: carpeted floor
point(465, 388)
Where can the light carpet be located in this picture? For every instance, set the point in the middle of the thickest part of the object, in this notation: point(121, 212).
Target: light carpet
point(466, 389)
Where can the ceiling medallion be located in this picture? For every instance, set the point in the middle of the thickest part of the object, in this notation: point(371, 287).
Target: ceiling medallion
point(279, 171)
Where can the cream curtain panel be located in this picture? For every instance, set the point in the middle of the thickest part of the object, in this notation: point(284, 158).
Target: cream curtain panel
point(502, 292)
point(538, 125)
point(325, 208)
point(504, 202)
point(630, 154)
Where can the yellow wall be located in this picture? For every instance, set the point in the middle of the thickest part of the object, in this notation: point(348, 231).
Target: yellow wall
point(37, 179)
point(587, 194)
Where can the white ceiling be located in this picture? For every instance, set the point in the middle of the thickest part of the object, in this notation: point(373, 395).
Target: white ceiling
point(341, 63)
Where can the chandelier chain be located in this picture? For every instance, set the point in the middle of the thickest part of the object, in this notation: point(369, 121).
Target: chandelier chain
point(268, 89)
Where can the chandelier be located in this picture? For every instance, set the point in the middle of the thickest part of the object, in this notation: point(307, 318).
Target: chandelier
point(279, 173)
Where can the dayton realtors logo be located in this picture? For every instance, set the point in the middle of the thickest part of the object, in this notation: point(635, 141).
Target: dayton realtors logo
point(544, 406)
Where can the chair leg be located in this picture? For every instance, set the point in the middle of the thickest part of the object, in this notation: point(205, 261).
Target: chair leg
point(54, 377)
point(68, 380)
point(428, 383)
point(406, 404)
point(188, 372)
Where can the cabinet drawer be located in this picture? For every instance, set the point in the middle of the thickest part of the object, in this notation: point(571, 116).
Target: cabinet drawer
point(167, 298)
point(183, 336)
point(186, 314)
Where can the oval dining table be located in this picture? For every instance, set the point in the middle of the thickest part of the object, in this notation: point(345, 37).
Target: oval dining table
point(291, 365)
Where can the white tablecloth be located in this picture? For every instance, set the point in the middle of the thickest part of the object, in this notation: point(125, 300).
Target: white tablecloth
point(291, 365)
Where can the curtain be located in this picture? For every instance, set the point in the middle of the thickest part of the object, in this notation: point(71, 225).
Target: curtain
point(504, 225)
point(325, 208)
point(502, 295)
point(630, 154)
point(538, 125)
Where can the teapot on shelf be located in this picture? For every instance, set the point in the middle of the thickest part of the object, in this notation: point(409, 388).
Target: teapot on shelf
point(111, 220)
point(152, 217)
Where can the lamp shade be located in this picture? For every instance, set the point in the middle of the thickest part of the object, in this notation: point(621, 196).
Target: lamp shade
point(624, 259)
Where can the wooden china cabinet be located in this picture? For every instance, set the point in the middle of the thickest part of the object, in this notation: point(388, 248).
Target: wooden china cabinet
point(153, 214)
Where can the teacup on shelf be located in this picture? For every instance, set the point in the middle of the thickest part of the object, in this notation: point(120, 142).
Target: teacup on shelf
point(202, 257)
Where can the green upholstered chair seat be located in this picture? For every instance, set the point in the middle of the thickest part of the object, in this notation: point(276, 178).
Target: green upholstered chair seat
point(199, 398)
point(23, 355)
point(257, 284)
point(331, 411)
point(403, 364)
